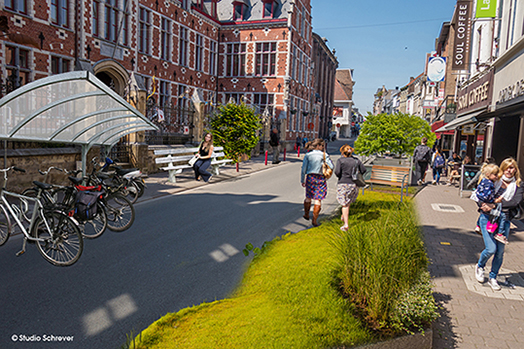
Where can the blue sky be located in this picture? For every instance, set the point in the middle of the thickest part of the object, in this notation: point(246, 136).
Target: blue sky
point(384, 41)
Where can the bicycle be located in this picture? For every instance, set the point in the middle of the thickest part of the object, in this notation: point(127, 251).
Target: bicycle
point(64, 199)
point(119, 209)
point(56, 235)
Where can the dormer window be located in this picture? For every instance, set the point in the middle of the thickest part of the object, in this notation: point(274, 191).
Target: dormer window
point(269, 8)
point(239, 10)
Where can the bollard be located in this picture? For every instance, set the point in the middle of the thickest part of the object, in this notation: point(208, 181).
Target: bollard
point(298, 152)
point(237, 166)
point(285, 154)
point(265, 161)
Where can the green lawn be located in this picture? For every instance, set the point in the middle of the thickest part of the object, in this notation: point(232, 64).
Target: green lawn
point(288, 297)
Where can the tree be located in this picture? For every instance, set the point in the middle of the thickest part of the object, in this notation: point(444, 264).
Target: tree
point(396, 133)
point(235, 127)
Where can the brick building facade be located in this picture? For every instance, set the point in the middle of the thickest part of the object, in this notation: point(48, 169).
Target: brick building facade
point(204, 51)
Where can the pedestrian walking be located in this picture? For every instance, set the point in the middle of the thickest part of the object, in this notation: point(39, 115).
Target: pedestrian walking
point(510, 186)
point(422, 157)
point(485, 193)
point(298, 143)
point(437, 166)
point(205, 150)
point(304, 141)
point(347, 190)
point(275, 143)
point(312, 177)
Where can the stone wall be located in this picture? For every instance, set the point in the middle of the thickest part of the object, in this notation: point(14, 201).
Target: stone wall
point(32, 160)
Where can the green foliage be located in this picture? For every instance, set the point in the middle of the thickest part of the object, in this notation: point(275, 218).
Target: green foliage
point(256, 251)
point(416, 308)
point(235, 127)
point(396, 133)
point(379, 261)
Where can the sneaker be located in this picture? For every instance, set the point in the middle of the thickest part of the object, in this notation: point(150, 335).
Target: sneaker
point(344, 228)
point(479, 274)
point(477, 230)
point(494, 284)
point(501, 238)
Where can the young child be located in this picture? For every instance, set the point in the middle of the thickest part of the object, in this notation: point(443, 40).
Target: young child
point(485, 193)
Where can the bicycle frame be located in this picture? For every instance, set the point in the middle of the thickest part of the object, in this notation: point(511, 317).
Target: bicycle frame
point(36, 212)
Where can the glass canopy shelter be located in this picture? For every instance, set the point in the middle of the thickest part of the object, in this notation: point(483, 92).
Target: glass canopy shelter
point(73, 107)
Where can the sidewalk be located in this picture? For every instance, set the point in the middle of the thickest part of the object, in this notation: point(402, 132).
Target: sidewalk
point(158, 184)
point(472, 314)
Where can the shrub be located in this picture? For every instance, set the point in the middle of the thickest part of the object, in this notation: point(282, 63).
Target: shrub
point(416, 309)
point(380, 261)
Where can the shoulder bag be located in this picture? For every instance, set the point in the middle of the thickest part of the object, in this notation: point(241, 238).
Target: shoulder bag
point(192, 161)
point(326, 170)
point(357, 177)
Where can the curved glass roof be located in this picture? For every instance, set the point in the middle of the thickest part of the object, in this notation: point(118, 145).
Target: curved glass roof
point(73, 107)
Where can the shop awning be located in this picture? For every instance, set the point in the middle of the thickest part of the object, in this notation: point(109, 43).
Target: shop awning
point(461, 121)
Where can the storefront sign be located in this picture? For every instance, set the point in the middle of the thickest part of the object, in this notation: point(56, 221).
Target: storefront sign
point(475, 95)
point(486, 9)
point(510, 92)
point(436, 69)
point(509, 82)
point(462, 28)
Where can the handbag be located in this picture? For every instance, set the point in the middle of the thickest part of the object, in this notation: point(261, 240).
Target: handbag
point(192, 161)
point(326, 170)
point(358, 178)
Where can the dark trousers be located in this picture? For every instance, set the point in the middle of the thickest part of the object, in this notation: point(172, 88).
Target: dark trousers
point(200, 167)
point(420, 170)
point(276, 154)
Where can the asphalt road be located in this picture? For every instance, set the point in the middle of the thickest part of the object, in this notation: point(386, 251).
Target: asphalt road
point(182, 250)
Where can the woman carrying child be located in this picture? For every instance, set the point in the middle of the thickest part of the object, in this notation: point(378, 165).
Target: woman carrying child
point(510, 191)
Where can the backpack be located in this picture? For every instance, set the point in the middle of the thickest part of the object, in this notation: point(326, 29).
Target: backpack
point(86, 204)
point(422, 153)
point(439, 162)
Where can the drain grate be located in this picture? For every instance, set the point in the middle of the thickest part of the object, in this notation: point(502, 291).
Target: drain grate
point(447, 208)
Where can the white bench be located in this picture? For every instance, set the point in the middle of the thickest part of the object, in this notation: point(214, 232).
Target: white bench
point(177, 160)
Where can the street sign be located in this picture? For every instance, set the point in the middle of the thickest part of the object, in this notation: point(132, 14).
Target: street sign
point(186, 130)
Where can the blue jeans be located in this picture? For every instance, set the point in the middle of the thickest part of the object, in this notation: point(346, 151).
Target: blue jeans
point(200, 167)
point(436, 174)
point(493, 247)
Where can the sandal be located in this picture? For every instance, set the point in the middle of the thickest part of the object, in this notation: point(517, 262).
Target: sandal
point(344, 228)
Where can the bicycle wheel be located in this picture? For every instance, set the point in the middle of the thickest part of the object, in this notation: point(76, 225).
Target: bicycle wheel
point(5, 226)
point(131, 191)
point(62, 245)
point(141, 186)
point(120, 212)
point(95, 227)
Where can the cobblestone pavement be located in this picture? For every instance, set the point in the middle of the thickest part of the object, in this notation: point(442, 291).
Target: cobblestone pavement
point(472, 314)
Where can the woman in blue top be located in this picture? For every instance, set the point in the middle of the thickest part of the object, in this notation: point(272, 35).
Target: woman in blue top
point(312, 178)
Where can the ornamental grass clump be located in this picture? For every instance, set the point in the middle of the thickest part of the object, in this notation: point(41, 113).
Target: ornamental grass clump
point(380, 260)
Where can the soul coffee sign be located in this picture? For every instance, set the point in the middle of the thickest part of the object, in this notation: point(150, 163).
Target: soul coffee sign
point(462, 26)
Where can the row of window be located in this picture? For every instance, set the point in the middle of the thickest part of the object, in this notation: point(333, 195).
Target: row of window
point(265, 59)
point(17, 65)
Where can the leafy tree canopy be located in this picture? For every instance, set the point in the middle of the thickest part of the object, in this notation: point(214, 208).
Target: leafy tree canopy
point(235, 127)
point(396, 133)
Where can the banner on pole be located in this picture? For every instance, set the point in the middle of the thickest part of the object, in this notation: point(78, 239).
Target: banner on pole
point(486, 9)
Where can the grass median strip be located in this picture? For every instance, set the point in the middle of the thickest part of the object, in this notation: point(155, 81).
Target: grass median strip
point(290, 296)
